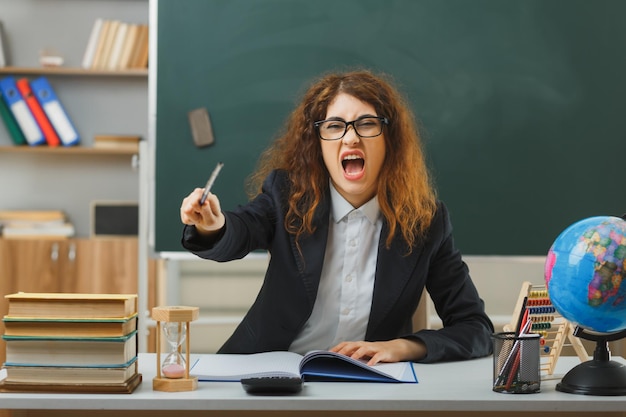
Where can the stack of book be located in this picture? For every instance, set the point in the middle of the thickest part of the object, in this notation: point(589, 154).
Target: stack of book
point(115, 45)
point(33, 114)
point(71, 343)
point(35, 224)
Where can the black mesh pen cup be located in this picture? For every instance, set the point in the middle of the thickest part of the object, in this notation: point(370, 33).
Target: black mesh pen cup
point(516, 363)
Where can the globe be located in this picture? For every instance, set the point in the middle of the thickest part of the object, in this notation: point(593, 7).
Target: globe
point(585, 274)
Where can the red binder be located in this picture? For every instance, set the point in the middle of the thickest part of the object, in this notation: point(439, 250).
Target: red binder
point(42, 120)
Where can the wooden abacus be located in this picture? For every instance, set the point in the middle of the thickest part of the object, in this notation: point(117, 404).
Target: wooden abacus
point(546, 321)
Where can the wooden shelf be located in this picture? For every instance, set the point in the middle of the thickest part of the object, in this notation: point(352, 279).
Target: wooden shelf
point(68, 150)
point(62, 71)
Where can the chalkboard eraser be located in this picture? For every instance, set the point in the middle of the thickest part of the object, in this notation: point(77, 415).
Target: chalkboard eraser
point(201, 129)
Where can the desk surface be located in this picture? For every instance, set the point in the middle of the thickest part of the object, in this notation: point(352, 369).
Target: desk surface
point(450, 386)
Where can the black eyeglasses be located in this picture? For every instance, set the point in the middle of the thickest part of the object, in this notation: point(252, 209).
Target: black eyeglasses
point(365, 127)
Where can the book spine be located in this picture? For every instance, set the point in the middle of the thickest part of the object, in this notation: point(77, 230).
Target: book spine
point(11, 124)
point(55, 111)
point(23, 116)
point(108, 44)
point(92, 43)
point(38, 113)
point(129, 43)
point(102, 37)
point(116, 49)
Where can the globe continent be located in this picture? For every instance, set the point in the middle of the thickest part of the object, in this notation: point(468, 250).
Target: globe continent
point(585, 271)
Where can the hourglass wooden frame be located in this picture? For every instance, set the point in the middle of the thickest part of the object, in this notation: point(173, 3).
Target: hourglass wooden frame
point(174, 314)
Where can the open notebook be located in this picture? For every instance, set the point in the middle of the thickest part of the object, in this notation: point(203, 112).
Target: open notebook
point(314, 366)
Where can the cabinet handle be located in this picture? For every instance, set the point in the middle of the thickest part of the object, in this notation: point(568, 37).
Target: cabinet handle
point(134, 162)
point(54, 252)
point(71, 253)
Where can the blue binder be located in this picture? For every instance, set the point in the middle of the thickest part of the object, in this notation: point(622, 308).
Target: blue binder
point(55, 111)
point(24, 118)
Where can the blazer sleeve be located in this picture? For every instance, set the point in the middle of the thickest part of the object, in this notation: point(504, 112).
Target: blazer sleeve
point(466, 331)
point(248, 228)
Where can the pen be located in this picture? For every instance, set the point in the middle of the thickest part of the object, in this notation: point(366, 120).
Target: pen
point(209, 183)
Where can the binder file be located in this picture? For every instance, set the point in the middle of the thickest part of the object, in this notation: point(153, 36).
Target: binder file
point(35, 108)
point(22, 114)
point(55, 111)
point(9, 121)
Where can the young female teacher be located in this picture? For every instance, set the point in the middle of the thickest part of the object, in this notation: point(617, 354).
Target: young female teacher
point(355, 233)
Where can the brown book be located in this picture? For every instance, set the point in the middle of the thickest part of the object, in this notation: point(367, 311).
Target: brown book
point(141, 48)
point(125, 142)
point(71, 387)
point(69, 327)
point(71, 305)
point(76, 374)
point(102, 38)
point(71, 351)
point(117, 138)
point(116, 47)
point(127, 48)
point(119, 146)
point(145, 48)
point(32, 216)
point(108, 44)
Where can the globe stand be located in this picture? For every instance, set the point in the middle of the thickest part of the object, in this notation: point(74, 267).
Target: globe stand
point(599, 376)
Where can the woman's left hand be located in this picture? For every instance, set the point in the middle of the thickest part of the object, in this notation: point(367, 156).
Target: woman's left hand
point(396, 350)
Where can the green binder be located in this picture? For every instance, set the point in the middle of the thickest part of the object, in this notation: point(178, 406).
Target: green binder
point(9, 121)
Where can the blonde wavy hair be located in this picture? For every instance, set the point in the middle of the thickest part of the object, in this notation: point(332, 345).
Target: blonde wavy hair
point(406, 196)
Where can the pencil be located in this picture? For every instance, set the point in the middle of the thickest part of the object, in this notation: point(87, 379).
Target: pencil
point(209, 183)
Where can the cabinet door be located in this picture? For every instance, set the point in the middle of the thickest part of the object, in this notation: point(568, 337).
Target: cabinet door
point(104, 265)
point(31, 265)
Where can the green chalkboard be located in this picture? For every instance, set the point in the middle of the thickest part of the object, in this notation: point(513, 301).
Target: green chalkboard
point(521, 103)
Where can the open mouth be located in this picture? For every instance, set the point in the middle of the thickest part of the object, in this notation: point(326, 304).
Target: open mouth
point(352, 164)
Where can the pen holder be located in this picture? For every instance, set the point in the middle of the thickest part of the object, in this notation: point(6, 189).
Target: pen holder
point(516, 363)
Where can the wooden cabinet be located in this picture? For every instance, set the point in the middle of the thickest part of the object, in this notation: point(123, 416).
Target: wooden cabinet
point(99, 265)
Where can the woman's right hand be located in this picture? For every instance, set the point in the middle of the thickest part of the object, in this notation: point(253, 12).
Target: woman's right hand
point(207, 218)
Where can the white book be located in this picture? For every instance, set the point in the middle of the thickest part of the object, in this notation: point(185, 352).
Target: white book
point(38, 230)
point(92, 43)
point(116, 49)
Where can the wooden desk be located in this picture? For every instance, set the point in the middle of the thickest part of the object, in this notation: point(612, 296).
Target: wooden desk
point(457, 388)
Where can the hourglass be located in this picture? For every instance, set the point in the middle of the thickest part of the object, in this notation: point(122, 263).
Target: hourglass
point(173, 372)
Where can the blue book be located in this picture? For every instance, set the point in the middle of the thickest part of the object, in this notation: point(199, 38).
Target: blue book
point(55, 111)
point(23, 116)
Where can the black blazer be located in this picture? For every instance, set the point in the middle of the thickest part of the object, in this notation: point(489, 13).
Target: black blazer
point(288, 293)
